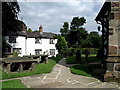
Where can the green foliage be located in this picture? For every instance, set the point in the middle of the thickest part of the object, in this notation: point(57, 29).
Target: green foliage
point(90, 50)
point(61, 43)
point(57, 58)
point(85, 70)
point(94, 40)
point(12, 84)
point(64, 29)
point(15, 54)
point(77, 22)
point(78, 57)
point(71, 60)
point(29, 30)
point(78, 37)
point(91, 58)
point(10, 12)
point(80, 70)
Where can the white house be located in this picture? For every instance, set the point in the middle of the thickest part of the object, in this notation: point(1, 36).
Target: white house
point(32, 43)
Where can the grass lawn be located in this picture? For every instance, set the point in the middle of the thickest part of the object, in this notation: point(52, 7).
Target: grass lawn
point(91, 58)
point(12, 84)
point(39, 69)
point(84, 70)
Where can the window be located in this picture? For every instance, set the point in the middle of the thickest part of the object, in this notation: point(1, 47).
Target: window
point(18, 50)
point(38, 51)
point(38, 40)
point(12, 39)
point(111, 16)
point(52, 52)
point(51, 41)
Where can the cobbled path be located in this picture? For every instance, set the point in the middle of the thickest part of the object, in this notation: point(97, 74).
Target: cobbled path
point(61, 77)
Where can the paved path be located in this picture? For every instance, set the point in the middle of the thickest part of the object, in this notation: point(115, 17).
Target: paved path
point(61, 77)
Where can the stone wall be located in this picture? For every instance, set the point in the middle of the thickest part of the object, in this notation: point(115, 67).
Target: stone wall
point(114, 29)
point(112, 50)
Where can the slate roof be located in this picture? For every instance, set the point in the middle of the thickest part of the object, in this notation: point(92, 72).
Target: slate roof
point(32, 34)
point(37, 34)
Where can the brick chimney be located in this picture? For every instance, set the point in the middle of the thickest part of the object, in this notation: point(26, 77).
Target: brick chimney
point(41, 29)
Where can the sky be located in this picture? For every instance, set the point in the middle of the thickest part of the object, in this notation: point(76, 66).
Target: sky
point(52, 14)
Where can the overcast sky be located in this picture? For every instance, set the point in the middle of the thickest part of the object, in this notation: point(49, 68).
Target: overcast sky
point(52, 15)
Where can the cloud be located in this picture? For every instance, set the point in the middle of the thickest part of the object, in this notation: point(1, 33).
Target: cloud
point(53, 14)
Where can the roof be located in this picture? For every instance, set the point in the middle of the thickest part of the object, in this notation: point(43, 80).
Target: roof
point(106, 6)
point(37, 34)
point(32, 34)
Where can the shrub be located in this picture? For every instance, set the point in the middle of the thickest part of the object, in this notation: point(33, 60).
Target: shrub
point(71, 60)
point(91, 50)
point(15, 54)
point(57, 58)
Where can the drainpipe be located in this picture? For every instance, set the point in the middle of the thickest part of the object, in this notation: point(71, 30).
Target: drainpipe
point(26, 46)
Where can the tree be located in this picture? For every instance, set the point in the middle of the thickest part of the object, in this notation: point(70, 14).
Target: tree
point(10, 12)
point(29, 30)
point(77, 22)
point(94, 40)
point(77, 33)
point(36, 31)
point(61, 43)
point(64, 29)
point(10, 23)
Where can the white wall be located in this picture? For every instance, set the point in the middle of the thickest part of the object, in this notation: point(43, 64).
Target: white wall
point(28, 45)
point(45, 46)
point(20, 43)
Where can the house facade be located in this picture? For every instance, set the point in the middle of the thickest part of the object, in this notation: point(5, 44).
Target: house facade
point(109, 19)
point(32, 43)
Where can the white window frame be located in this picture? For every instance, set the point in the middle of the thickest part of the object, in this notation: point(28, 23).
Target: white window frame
point(38, 41)
point(52, 41)
point(38, 51)
point(52, 52)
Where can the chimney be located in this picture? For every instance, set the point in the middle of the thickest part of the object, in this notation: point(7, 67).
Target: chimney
point(41, 29)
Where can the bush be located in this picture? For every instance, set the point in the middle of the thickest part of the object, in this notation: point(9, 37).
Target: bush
point(85, 70)
point(15, 54)
point(91, 50)
point(57, 58)
point(71, 60)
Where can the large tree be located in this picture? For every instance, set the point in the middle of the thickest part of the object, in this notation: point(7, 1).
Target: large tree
point(77, 33)
point(10, 12)
point(10, 22)
point(64, 30)
point(77, 22)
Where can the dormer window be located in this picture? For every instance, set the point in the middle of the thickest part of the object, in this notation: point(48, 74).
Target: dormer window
point(12, 39)
point(38, 40)
point(52, 41)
